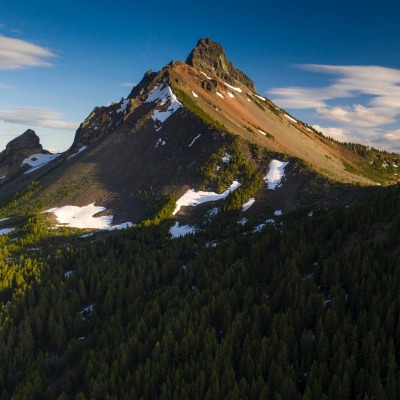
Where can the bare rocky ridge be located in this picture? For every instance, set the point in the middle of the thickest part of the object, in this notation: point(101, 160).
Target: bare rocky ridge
point(210, 56)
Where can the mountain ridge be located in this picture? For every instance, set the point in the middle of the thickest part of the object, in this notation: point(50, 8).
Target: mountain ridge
point(161, 137)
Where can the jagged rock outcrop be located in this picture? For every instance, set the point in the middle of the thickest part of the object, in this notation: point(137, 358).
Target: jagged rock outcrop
point(27, 141)
point(17, 150)
point(211, 56)
point(94, 127)
point(141, 87)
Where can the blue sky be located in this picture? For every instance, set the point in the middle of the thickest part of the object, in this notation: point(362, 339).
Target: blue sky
point(333, 64)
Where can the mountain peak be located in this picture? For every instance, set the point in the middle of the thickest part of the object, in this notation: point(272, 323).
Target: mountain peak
point(210, 55)
point(27, 141)
point(17, 150)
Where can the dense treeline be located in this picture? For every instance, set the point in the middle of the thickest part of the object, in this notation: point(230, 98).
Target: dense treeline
point(304, 310)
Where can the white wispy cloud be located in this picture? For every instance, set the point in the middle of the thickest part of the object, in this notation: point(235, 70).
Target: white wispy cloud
point(358, 115)
point(380, 87)
point(32, 116)
point(16, 53)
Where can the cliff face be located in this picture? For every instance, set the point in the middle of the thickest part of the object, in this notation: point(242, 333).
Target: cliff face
point(210, 56)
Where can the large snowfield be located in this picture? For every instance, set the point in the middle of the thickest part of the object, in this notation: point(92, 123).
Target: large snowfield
point(193, 198)
point(84, 217)
point(38, 160)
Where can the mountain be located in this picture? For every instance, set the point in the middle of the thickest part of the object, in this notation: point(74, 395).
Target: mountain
point(161, 139)
point(264, 261)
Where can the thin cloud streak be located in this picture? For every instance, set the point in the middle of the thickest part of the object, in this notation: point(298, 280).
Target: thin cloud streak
point(31, 116)
point(16, 53)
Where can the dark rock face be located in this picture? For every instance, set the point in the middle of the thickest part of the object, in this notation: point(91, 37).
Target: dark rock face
point(211, 56)
point(93, 128)
point(17, 150)
point(209, 85)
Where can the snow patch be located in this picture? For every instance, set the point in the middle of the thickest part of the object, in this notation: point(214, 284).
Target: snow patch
point(194, 94)
point(260, 227)
point(87, 311)
point(260, 97)
point(163, 96)
point(226, 158)
point(277, 213)
point(192, 198)
point(248, 204)
point(38, 160)
point(311, 214)
point(79, 151)
point(6, 231)
point(206, 75)
point(86, 235)
point(120, 227)
point(2, 177)
point(248, 100)
point(242, 221)
point(289, 117)
point(124, 105)
point(158, 94)
point(181, 230)
point(212, 213)
point(192, 142)
point(230, 95)
point(262, 132)
point(237, 89)
point(160, 142)
point(220, 95)
point(275, 174)
point(83, 217)
point(4, 220)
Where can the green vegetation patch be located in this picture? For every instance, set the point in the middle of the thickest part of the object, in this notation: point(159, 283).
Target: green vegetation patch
point(159, 209)
point(191, 105)
point(17, 204)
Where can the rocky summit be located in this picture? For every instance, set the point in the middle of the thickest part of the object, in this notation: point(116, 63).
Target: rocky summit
point(210, 56)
